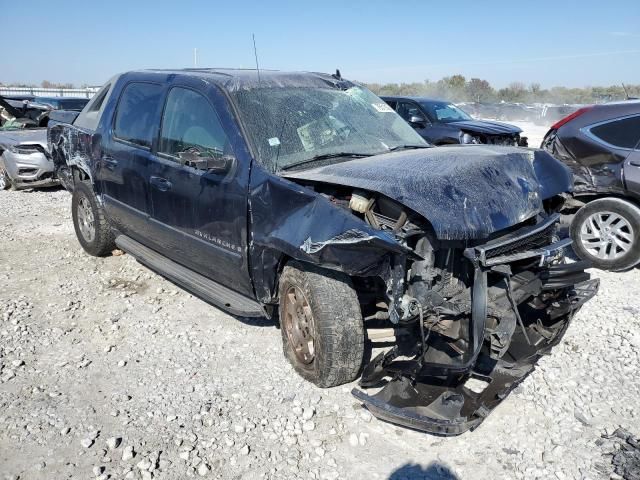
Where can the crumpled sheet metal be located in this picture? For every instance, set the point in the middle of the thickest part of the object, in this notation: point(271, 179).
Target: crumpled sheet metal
point(72, 147)
point(291, 220)
point(465, 192)
point(601, 172)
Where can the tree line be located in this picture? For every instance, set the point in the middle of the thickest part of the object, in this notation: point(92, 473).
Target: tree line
point(458, 89)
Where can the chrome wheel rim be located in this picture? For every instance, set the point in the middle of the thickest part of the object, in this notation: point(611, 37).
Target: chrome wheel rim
point(299, 324)
point(607, 235)
point(86, 220)
point(3, 180)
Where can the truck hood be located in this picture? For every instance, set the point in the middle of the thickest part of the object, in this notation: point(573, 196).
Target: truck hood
point(465, 192)
point(486, 127)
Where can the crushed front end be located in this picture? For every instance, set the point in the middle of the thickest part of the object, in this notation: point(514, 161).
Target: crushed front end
point(471, 320)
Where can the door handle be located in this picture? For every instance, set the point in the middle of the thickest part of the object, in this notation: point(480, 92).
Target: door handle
point(109, 162)
point(635, 163)
point(160, 183)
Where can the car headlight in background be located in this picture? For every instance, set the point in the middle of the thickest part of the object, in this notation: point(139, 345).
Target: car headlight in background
point(467, 138)
point(23, 149)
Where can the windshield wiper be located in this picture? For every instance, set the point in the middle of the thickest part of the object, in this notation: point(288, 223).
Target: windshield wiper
point(406, 147)
point(326, 156)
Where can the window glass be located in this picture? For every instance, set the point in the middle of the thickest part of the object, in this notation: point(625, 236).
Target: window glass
point(408, 109)
point(623, 133)
point(443, 112)
point(190, 124)
point(289, 126)
point(90, 114)
point(135, 117)
point(99, 99)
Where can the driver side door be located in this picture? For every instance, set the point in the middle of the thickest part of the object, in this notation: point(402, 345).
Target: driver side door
point(407, 110)
point(199, 216)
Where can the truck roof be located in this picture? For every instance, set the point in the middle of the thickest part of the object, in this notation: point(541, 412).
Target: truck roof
point(246, 79)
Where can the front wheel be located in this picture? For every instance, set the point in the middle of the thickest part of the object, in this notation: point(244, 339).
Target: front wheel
point(5, 181)
point(92, 228)
point(321, 324)
point(607, 233)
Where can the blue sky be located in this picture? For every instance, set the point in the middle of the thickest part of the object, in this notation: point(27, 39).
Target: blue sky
point(550, 42)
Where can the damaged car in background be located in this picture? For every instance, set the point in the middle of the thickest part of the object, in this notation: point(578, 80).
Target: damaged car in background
point(24, 159)
point(601, 145)
point(34, 112)
point(443, 123)
point(304, 197)
point(24, 156)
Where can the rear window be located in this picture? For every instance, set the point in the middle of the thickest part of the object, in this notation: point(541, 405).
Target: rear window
point(72, 104)
point(92, 111)
point(136, 114)
point(622, 133)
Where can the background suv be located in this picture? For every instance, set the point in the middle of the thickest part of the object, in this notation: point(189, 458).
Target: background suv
point(600, 143)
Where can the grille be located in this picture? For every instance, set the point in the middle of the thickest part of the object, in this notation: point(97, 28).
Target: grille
point(532, 242)
point(526, 242)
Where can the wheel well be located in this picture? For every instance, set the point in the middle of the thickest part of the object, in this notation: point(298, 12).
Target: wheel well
point(585, 199)
point(79, 175)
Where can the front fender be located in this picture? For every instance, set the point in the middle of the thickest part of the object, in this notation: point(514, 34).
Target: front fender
point(291, 221)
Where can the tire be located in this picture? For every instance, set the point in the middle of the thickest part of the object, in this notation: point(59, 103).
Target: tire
point(606, 232)
point(92, 228)
point(336, 347)
point(5, 181)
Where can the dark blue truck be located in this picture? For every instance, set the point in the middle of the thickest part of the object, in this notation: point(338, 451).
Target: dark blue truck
point(305, 198)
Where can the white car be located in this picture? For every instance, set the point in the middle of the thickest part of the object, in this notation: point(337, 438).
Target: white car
point(24, 159)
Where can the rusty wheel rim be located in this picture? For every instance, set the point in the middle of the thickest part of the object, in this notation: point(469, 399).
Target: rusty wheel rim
point(299, 324)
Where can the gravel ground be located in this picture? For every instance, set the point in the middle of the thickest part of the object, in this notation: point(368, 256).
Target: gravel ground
point(109, 371)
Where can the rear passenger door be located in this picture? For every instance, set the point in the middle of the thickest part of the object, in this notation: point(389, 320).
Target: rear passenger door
point(621, 137)
point(199, 216)
point(122, 167)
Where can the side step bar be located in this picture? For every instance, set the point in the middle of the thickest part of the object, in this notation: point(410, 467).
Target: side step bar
point(195, 283)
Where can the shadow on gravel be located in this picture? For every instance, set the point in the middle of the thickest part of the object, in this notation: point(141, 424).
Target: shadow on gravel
point(54, 188)
point(433, 471)
point(257, 321)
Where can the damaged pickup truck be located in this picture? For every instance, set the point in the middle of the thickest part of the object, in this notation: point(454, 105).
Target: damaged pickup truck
point(304, 197)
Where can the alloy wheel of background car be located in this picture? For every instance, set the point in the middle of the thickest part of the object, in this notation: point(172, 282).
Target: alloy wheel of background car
point(606, 232)
point(86, 220)
point(299, 324)
point(607, 235)
point(4, 180)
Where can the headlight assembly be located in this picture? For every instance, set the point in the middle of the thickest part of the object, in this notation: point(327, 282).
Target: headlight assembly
point(467, 138)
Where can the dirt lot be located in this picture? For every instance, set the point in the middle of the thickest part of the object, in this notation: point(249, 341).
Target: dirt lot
point(109, 371)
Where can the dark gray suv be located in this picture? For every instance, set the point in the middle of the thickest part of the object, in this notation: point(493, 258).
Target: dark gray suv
point(601, 144)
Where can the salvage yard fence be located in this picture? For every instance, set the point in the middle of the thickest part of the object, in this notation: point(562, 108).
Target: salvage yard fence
point(86, 92)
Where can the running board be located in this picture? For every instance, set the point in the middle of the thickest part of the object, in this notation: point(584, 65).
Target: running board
point(195, 283)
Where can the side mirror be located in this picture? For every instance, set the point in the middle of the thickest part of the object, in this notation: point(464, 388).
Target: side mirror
point(222, 164)
point(417, 121)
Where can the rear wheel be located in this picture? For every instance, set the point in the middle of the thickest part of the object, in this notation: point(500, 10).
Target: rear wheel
point(607, 233)
point(92, 228)
point(321, 324)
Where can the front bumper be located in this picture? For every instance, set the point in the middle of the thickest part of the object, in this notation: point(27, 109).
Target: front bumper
point(454, 405)
point(29, 170)
point(514, 314)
